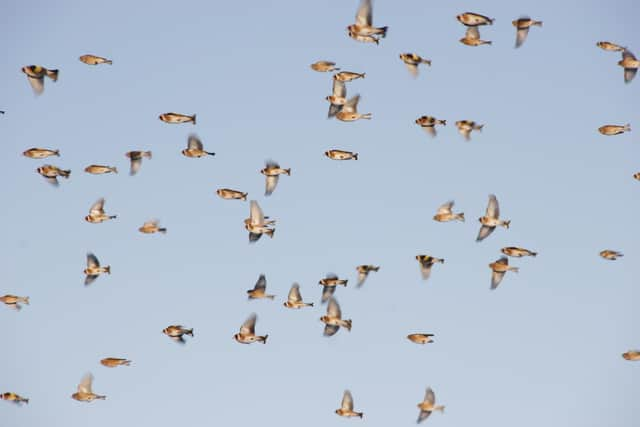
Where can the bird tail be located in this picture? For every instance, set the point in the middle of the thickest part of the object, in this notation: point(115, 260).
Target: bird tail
point(288, 171)
point(538, 23)
point(114, 169)
point(112, 216)
point(25, 300)
point(264, 339)
point(271, 296)
point(506, 223)
point(384, 31)
point(244, 196)
point(270, 232)
point(193, 119)
point(441, 261)
point(426, 61)
point(460, 216)
point(56, 153)
point(514, 269)
point(107, 269)
point(148, 154)
point(309, 304)
point(209, 153)
point(375, 268)
point(65, 173)
point(534, 254)
point(362, 75)
point(479, 127)
point(348, 324)
point(355, 156)
point(189, 332)
point(360, 414)
point(127, 363)
point(108, 61)
point(367, 116)
point(162, 230)
point(627, 127)
point(52, 74)
point(443, 122)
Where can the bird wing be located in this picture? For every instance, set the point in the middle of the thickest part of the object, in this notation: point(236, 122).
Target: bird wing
point(425, 269)
point(627, 54)
point(347, 401)
point(97, 208)
point(364, 16)
point(430, 396)
point(37, 84)
point(85, 384)
point(484, 233)
point(136, 163)
point(339, 89)
point(332, 276)
point(294, 293)
point(362, 276)
point(151, 223)
point(255, 214)
point(254, 237)
point(446, 208)
point(261, 284)
point(194, 142)
point(92, 260)
point(327, 292)
point(330, 330)
point(423, 415)
point(503, 260)
point(466, 132)
point(270, 184)
point(333, 309)
point(496, 278)
point(351, 106)
point(333, 110)
point(521, 35)
point(413, 68)
point(472, 33)
point(249, 325)
point(493, 209)
point(629, 74)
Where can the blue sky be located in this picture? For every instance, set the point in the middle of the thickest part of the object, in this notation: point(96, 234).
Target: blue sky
point(543, 348)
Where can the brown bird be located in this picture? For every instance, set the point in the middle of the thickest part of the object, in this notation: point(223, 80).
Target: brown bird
point(466, 126)
point(517, 252)
point(13, 397)
point(363, 30)
point(614, 129)
point(136, 160)
point(151, 227)
point(96, 213)
point(428, 123)
point(472, 37)
point(347, 76)
point(40, 153)
point(94, 269)
point(324, 66)
point(94, 60)
point(428, 405)
point(630, 65)
point(229, 194)
point(333, 319)
point(412, 60)
point(195, 148)
point(51, 173)
point(471, 19)
point(499, 268)
point(341, 155)
point(445, 213)
point(610, 46)
point(363, 272)
point(257, 224)
point(176, 333)
point(610, 255)
point(294, 300)
point(112, 362)
point(346, 407)
point(426, 262)
point(522, 25)
point(13, 301)
point(35, 76)
point(420, 338)
point(247, 334)
point(100, 169)
point(272, 171)
point(631, 355)
point(329, 283)
point(337, 99)
point(85, 393)
point(177, 118)
point(260, 289)
point(491, 219)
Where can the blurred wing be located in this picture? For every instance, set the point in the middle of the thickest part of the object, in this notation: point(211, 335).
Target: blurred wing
point(503, 260)
point(629, 74)
point(493, 209)
point(423, 416)
point(294, 293)
point(178, 339)
point(413, 69)
point(425, 269)
point(52, 180)
point(339, 88)
point(136, 163)
point(496, 278)
point(472, 33)
point(270, 186)
point(261, 284)
point(364, 15)
point(484, 233)
point(330, 330)
point(446, 208)
point(362, 276)
point(333, 110)
point(97, 208)
point(249, 325)
point(466, 132)
point(347, 401)
point(521, 35)
point(351, 106)
point(37, 84)
point(194, 142)
point(430, 130)
point(627, 54)
point(85, 384)
point(430, 396)
point(333, 309)
point(151, 223)
point(90, 279)
point(254, 237)
point(92, 260)
point(331, 276)
point(327, 292)
point(270, 164)
point(255, 214)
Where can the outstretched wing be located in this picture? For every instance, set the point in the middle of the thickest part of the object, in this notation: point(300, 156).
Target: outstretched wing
point(249, 325)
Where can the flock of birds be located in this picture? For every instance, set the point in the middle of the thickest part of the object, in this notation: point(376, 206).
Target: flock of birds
point(257, 224)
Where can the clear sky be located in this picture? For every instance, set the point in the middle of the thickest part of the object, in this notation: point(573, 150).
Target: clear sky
point(543, 349)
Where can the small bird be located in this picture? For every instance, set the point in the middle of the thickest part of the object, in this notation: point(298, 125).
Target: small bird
point(329, 283)
point(610, 46)
point(471, 19)
point(611, 255)
point(94, 269)
point(257, 224)
point(412, 60)
point(428, 405)
point(363, 272)
point(445, 213)
point(491, 219)
point(426, 262)
point(247, 334)
point(13, 301)
point(324, 66)
point(614, 129)
point(112, 362)
point(363, 29)
point(518, 252)
point(176, 333)
point(272, 171)
point(333, 319)
point(346, 407)
point(631, 355)
point(349, 112)
point(347, 76)
point(40, 153)
point(51, 173)
point(466, 126)
point(100, 169)
point(35, 76)
point(337, 99)
point(472, 37)
point(341, 155)
point(96, 213)
point(229, 194)
point(499, 268)
point(420, 338)
point(177, 118)
point(428, 123)
point(136, 160)
point(195, 148)
point(294, 299)
point(84, 393)
point(94, 60)
point(522, 25)
point(151, 227)
point(13, 397)
point(630, 65)
point(260, 289)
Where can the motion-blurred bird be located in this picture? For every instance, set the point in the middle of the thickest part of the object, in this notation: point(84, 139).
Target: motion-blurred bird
point(465, 127)
point(341, 155)
point(498, 270)
point(333, 319)
point(514, 251)
point(363, 272)
point(426, 262)
point(257, 224)
point(40, 153)
point(136, 160)
point(412, 60)
point(112, 362)
point(94, 269)
point(349, 112)
point(195, 148)
point(428, 405)
point(522, 25)
point(272, 172)
point(614, 129)
point(337, 99)
point(346, 407)
point(471, 19)
point(247, 334)
point(229, 194)
point(35, 75)
point(324, 66)
point(152, 226)
point(491, 219)
point(472, 37)
point(347, 76)
point(260, 289)
point(51, 173)
point(13, 301)
point(100, 169)
point(630, 65)
point(611, 255)
point(610, 46)
point(445, 213)
point(13, 397)
point(177, 332)
point(177, 118)
point(420, 338)
point(94, 60)
point(363, 30)
point(96, 213)
point(631, 355)
point(428, 123)
point(85, 393)
point(331, 280)
point(294, 299)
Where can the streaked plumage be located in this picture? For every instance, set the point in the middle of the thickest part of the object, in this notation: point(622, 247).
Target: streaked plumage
point(347, 76)
point(428, 123)
point(349, 112)
point(97, 214)
point(100, 169)
point(610, 46)
point(614, 129)
point(611, 255)
point(412, 60)
point(324, 66)
point(94, 60)
point(363, 272)
point(112, 362)
point(94, 269)
point(51, 173)
point(40, 153)
point(631, 355)
point(426, 262)
point(294, 299)
point(522, 25)
point(177, 332)
point(341, 155)
point(272, 172)
point(630, 65)
point(445, 213)
point(466, 126)
point(195, 148)
point(136, 160)
point(35, 76)
point(472, 37)
point(363, 29)
point(152, 226)
point(498, 270)
point(420, 338)
point(177, 118)
point(13, 301)
point(491, 219)
point(346, 407)
point(247, 334)
point(257, 224)
point(428, 405)
point(85, 392)
point(337, 99)
point(229, 194)
point(333, 319)
point(13, 397)
point(471, 19)
point(514, 251)
point(260, 289)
